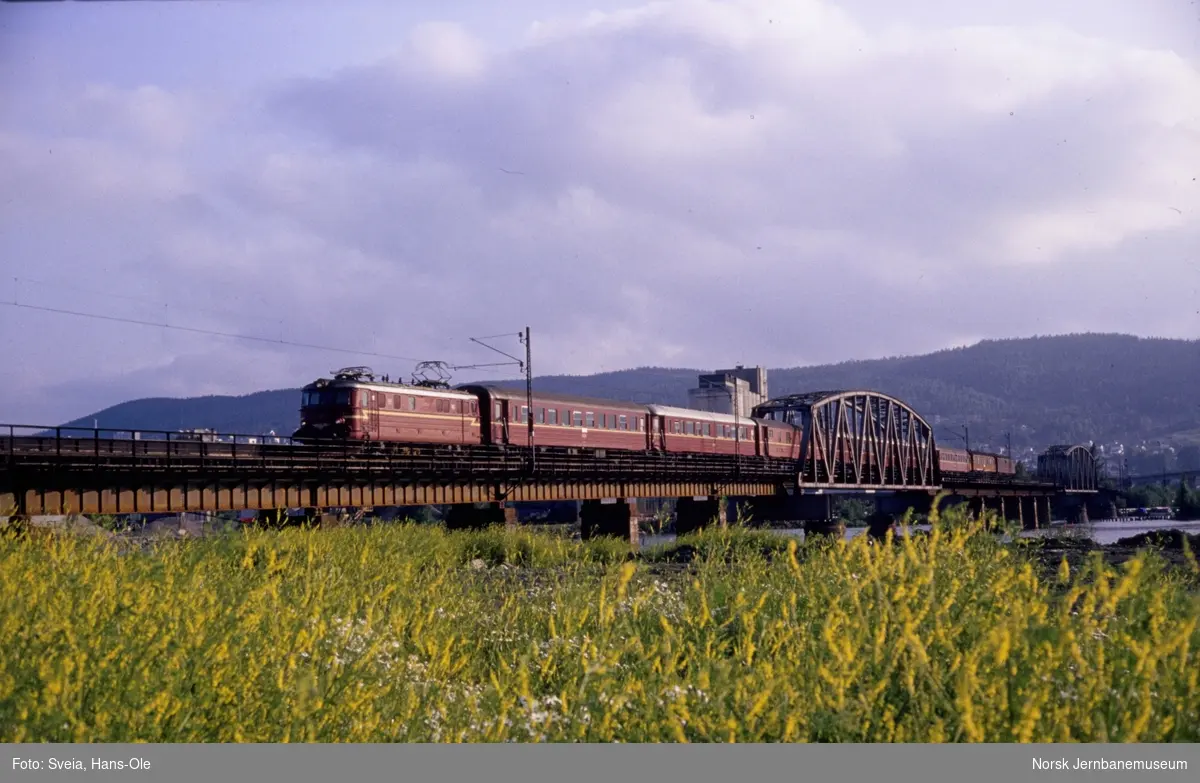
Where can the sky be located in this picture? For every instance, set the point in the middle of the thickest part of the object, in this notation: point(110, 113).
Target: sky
point(685, 184)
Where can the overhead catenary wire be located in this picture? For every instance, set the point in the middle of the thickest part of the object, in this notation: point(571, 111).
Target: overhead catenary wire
point(169, 306)
point(210, 332)
point(231, 335)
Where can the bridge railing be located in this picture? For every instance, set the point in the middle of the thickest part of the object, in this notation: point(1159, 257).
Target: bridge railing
point(125, 434)
point(111, 450)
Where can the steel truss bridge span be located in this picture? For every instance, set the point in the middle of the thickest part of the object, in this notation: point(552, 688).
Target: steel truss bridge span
point(858, 439)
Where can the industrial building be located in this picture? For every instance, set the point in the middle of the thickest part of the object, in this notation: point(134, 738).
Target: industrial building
point(734, 391)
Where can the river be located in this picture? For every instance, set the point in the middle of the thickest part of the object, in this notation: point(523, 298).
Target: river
point(1103, 532)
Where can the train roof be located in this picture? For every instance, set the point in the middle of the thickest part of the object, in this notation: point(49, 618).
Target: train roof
point(388, 387)
point(509, 393)
point(689, 413)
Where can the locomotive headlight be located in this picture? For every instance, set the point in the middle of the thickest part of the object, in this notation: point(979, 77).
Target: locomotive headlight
point(341, 420)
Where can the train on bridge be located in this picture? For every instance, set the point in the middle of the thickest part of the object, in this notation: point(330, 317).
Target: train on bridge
point(366, 441)
point(839, 437)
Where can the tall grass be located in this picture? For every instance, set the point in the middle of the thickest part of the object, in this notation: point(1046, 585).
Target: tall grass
point(400, 633)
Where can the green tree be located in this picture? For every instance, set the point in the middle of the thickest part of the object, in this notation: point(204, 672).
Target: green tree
point(1187, 503)
point(1147, 496)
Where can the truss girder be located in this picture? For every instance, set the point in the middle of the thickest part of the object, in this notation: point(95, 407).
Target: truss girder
point(1070, 467)
point(866, 439)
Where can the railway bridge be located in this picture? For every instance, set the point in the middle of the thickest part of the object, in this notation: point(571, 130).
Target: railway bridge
point(852, 442)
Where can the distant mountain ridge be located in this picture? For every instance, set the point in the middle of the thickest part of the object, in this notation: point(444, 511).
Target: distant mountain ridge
point(1039, 391)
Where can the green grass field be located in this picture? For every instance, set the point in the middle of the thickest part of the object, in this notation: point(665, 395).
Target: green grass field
point(399, 633)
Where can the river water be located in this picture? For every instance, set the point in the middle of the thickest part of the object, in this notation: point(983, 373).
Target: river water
point(1103, 532)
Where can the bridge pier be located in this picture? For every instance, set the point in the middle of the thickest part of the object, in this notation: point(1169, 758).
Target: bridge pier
point(792, 508)
point(1038, 515)
point(1033, 521)
point(1102, 507)
point(695, 513)
point(618, 518)
point(1073, 509)
point(275, 517)
point(1012, 509)
point(890, 508)
point(824, 527)
point(474, 516)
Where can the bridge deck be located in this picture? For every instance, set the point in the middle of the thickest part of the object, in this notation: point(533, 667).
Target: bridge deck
point(56, 474)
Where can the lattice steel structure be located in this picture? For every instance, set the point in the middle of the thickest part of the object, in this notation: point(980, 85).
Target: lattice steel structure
point(1073, 468)
point(858, 439)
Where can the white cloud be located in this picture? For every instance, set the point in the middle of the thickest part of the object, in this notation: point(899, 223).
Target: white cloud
point(446, 50)
point(682, 183)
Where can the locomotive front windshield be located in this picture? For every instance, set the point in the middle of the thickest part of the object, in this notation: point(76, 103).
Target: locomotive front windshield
point(326, 397)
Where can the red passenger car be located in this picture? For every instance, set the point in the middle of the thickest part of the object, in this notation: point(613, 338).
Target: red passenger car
point(953, 460)
point(983, 463)
point(960, 461)
point(683, 430)
point(560, 421)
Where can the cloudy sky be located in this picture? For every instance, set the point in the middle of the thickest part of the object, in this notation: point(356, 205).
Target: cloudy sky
point(679, 183)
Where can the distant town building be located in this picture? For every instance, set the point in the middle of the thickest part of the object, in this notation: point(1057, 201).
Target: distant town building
point(1146, 464)
point(1188, 458)
point(730, 391)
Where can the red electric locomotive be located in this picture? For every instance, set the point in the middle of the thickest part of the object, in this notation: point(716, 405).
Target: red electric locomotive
point(354, 405)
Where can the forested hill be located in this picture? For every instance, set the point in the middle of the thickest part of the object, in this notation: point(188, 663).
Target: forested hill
point(1043, 390)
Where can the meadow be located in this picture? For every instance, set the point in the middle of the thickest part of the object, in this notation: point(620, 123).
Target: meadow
point(410, 633)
